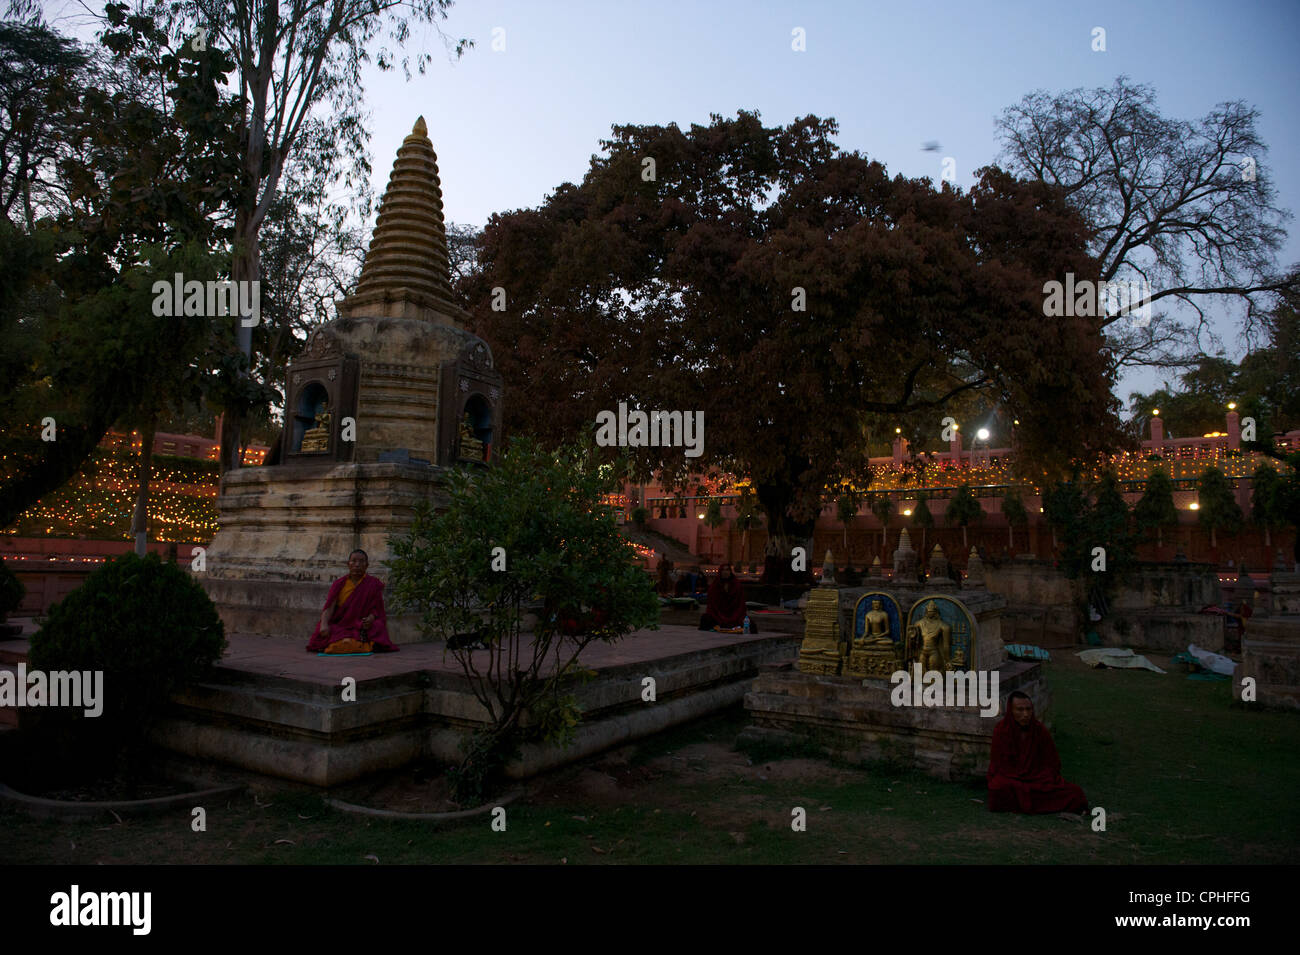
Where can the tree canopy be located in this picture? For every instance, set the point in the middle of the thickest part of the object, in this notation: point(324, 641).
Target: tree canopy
point(801, 298)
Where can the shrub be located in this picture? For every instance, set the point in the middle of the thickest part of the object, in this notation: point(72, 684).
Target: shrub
point(151, 629)
point(12, 591)
point(530, 530)
point(639, 515)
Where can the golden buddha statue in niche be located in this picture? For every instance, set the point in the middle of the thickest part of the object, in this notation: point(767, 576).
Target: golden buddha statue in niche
point(471, 448)
point(874, 653)
point(318, 438)
point(876, 632)
point(935, 640)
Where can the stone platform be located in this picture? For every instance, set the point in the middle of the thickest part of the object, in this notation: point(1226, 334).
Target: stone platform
point(275, 709)
point(1270, 652)
point(286, 533)
point(854, 720)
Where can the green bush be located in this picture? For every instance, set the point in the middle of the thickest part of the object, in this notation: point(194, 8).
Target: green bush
point(639, 515)
point(529, 532)
point(12, 591)
point(151, 629)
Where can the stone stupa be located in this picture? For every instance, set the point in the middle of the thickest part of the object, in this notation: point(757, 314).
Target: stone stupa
point(380, 404)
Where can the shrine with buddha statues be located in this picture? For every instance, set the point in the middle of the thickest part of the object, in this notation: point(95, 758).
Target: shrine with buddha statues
point(837, 696)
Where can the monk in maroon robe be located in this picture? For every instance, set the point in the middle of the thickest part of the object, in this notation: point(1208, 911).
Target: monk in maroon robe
point(726, 605)
point(354, 610)
point(1024, 767)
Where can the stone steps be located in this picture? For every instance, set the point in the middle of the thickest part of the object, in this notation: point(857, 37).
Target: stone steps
point(298, 727)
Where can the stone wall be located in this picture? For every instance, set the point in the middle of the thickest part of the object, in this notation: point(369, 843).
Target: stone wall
point(856, 721)
point(1270, 653)
point(1156, 608)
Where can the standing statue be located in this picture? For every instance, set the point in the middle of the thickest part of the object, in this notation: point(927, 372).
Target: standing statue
point(935, 636)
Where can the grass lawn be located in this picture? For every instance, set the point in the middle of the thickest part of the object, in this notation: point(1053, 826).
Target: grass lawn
point(1183, 774)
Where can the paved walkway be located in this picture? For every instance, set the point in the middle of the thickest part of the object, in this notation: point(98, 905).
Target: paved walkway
point(277, 656)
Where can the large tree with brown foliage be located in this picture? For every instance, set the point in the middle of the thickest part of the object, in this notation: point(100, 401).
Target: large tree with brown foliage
point(679, 292)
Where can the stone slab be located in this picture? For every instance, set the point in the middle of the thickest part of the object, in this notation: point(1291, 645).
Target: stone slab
point(1161, 630)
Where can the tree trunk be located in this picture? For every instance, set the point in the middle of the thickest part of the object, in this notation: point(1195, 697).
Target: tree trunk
point(1011, 538)
point(245, 266)
point(783, 535)
point(140, 519)
point(965, 548)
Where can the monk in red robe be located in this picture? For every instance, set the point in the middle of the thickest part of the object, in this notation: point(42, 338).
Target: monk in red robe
point(725, 609)
point(354, 610)
point(1024, 768)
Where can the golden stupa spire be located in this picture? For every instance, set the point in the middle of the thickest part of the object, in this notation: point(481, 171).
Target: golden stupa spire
point(406, 272)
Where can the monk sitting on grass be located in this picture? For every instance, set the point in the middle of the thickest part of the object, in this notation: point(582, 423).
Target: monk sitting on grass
point(1024, 768)
point(354, 612)
point(726, 606)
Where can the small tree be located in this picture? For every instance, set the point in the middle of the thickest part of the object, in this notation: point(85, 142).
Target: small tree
point(1065, 506)
point(749, 516)
point(12, 591)
point(1108, 521)
point(713, 519)
point(964, 509)
point(846, 509)
point(529, 533)
point(1156, 506)
point(922, 517)
point(1218, 506)
point(1265, 499)
point(883, 508)
point(1013, 509)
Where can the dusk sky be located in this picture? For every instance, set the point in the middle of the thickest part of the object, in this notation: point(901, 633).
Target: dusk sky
point(510, 126)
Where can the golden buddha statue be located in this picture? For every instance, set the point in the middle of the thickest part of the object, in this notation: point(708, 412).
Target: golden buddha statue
point(876, 632)
point(471, 448)
point(873, 654)
point(318, 438)
point(935, 639)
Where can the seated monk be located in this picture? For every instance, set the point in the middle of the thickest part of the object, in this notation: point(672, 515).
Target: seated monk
point(725, 609)
point(354, 610)
point(1024, 768)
